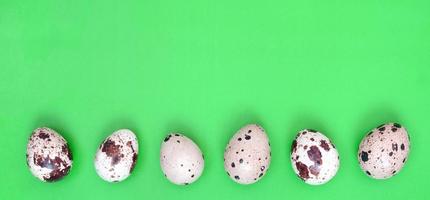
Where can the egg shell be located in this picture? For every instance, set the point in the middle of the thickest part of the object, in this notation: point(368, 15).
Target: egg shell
point(181, 160)
point(117, 155)
point(247, 155)
point(48, 155)
point(314, 157)
point(384, 150)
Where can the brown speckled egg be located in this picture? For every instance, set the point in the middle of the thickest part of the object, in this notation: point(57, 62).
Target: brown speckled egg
point(247, 155)
point(48, 155)
point(181, 160)
point(384, 150)
point(116, 157)
point(314, 157)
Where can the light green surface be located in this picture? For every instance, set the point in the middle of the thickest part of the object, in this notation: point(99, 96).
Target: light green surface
point(205, 68)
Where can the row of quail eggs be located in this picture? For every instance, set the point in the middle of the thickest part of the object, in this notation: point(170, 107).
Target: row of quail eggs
point(382, 154)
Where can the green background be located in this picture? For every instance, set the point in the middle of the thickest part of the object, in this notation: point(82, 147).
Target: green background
point(206, 68)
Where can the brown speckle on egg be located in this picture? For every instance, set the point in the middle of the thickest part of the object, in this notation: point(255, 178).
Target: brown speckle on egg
point(324, 145)
point(303, 170)
point(294, 146)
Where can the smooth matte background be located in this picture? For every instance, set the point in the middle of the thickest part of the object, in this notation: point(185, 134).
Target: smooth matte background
point(206, 68)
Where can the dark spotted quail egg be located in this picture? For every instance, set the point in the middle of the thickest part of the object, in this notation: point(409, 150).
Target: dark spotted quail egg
point(116, 156)
point(314, 157)
point(247, 155)
point(48, 155)
point(181, 160)
point(384, 151)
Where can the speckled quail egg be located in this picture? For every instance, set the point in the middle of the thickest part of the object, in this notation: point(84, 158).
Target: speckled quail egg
point(48, 155)
point(247, 155)
point(181, 160)
point(384, 150)
point(314, 157)
point(116, 157)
